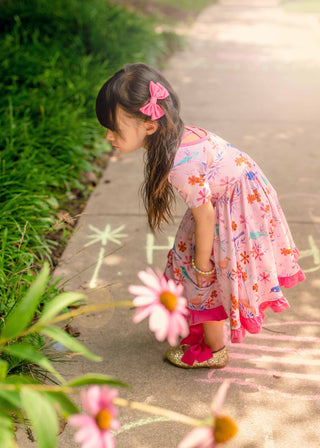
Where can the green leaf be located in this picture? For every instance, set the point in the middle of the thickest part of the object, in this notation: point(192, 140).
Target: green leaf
point(6, 433)
point(22, 314)
point(67, 407)
point(69, 342)
point(11, 397)
point(52, 201)
point(3, 369)
point(95, 378)
point(8, 408)
point(43, 418)
point(29, 353)
point(56, 305)
point(21, 379)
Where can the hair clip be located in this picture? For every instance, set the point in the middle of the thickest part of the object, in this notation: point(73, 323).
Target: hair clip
point(157, 92)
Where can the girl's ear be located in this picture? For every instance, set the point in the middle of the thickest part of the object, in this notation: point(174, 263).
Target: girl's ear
point(151, 127)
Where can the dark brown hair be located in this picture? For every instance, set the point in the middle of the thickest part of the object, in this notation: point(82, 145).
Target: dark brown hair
point(129, 89)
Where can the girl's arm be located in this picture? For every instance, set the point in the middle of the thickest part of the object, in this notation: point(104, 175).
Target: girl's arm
point(204, 234)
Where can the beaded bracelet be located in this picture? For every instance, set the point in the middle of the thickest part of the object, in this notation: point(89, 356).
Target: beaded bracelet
point(199, 271)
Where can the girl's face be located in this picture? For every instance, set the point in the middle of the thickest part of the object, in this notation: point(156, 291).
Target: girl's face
point(131, 133)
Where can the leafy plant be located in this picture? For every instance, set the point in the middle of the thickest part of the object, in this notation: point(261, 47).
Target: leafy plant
point(24, 397)
point(54, 56)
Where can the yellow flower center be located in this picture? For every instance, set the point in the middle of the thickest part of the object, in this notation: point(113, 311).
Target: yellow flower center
point(169, 300)
point(103, 419)
point(224, 429)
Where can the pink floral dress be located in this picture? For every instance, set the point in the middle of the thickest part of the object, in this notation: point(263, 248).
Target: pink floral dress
point(253, 250)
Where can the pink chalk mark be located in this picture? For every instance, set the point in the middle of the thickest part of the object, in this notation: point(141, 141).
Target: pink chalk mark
point(283, 337)
point(298, 322)
point(298, 361)
point(258, 387)
point(276, 373)
point(273, 349)
point(235, 353)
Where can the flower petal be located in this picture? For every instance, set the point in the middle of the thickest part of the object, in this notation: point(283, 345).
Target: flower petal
point(139, 290)
point(106, 399)
point(80, 420)
point(162, 332)
point(219, 397)
point(86, 433)
point(96, 441)
point(198, 438)
point(159, 318)
point(172, 336)
point(144, 301)
point(91, 400)
point(176, 289)
point(150, 279)
point(108, 440)
point(182, 324)
point(141, 314)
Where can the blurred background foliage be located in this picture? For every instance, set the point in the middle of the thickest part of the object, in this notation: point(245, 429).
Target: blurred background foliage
point(54, 57)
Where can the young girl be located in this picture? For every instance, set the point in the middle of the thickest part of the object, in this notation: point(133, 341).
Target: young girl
point(233, 249)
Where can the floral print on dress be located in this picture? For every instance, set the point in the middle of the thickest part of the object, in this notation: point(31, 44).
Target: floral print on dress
point(253, 250)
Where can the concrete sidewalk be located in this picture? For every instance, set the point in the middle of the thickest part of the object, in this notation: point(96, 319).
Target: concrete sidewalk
point(250, 73)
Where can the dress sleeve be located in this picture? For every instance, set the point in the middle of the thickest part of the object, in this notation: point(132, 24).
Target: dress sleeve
point(191, 183)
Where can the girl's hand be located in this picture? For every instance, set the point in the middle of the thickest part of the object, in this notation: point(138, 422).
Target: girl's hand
point(205, 279)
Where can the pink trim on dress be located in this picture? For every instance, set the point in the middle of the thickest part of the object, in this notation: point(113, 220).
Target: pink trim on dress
point(254, 325)
point(193, 130)
point(293, 280)
point(198, 317)
point(200, 352)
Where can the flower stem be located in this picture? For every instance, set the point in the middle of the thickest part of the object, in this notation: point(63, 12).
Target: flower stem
point(37, 327)
point(38, 388)
point(155, 410)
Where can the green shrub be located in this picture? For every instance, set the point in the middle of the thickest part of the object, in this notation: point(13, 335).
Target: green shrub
point(54, 56)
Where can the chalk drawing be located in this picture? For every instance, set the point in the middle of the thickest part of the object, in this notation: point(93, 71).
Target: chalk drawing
point(103, 236)
point(151, 247)
point(268, 437)
point(141, 422)
point(312, 252)
point(259, 387)
point(248, 377)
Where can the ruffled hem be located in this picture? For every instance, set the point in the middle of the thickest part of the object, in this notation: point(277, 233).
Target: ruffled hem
point(293, 280)
point(253, 325)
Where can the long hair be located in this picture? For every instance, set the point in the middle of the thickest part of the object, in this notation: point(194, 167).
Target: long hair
point(129, 89)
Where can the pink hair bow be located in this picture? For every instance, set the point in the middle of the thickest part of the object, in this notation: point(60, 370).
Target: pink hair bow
point(157, 92)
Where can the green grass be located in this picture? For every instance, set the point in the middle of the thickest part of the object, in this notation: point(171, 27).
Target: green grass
point(54, 57)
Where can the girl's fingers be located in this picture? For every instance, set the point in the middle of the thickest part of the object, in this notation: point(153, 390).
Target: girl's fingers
point(204, 280)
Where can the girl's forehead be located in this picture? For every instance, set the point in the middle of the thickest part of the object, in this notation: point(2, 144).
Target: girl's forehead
point(122, 117)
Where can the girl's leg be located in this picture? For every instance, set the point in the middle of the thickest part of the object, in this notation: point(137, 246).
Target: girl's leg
point(213, 334)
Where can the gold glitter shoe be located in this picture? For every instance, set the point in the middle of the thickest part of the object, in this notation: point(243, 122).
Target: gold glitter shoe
point(218, 361)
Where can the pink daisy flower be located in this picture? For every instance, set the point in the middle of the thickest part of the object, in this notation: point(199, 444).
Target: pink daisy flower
point(161, 300)
point(95, 428)
point(221, 429)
